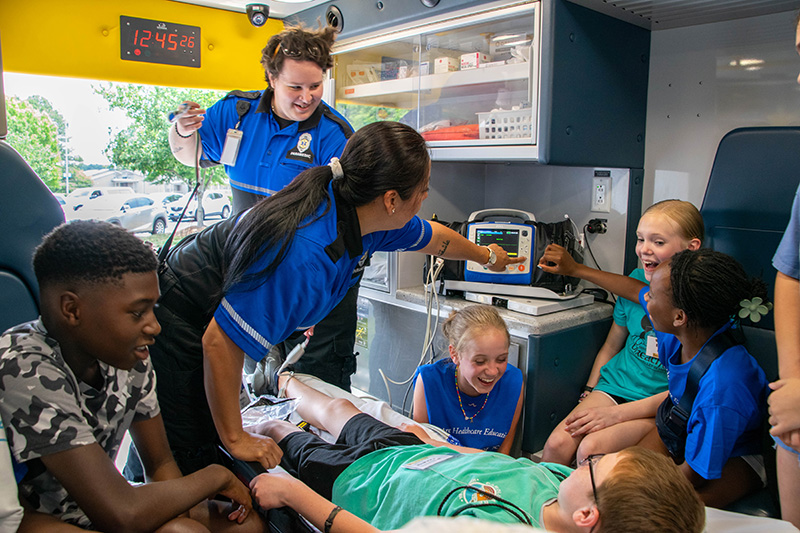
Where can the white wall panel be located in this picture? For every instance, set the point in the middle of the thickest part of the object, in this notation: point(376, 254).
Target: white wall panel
point(698, 92)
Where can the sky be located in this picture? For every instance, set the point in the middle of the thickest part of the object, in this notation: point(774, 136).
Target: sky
point(87, 115)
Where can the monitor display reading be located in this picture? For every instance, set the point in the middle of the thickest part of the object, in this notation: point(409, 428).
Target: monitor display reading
point(507, 239)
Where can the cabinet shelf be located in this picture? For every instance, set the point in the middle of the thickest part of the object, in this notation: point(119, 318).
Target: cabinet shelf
point(403, 92)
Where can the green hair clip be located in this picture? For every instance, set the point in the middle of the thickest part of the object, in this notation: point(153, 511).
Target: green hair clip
point(754, 309)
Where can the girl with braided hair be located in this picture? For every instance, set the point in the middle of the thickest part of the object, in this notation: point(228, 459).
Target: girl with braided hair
point(693, 299)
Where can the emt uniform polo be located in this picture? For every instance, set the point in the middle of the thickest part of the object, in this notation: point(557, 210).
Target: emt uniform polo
point(325, 258)
point(270, 157)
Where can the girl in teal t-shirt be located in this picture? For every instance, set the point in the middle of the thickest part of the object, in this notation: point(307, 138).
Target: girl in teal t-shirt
point(626, 367)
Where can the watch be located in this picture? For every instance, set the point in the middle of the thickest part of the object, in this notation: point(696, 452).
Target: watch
point(492, 258)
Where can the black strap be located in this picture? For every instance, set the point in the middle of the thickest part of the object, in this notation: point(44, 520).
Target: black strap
point(242, 107)
point(708, 354)
point(162, 254)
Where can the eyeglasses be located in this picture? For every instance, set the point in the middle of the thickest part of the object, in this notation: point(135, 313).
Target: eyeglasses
point(591, 460)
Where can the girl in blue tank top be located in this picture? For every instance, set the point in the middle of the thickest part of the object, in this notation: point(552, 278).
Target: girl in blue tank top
point(475, 395)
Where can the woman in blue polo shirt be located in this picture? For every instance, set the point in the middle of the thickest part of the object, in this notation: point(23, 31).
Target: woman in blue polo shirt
point(282, 131)
point(241, 286)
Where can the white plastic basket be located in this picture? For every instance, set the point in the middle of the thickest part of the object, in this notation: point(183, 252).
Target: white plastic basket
point(515, 124)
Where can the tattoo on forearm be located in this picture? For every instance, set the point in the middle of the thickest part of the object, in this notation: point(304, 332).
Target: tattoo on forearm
point(443, 249)
point(177, 149)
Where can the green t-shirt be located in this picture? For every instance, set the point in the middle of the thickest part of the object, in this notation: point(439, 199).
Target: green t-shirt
point(632, 374)
point(381, 490)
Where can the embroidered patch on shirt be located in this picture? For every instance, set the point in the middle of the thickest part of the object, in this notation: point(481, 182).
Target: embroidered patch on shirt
point(301, 152)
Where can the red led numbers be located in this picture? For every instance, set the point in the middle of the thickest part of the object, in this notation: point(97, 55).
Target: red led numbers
point(154, 41)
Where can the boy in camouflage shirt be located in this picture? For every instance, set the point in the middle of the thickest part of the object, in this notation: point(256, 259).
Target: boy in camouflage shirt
point(73, 381)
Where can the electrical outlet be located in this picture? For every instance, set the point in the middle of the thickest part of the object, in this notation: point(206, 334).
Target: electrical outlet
point(601, 195)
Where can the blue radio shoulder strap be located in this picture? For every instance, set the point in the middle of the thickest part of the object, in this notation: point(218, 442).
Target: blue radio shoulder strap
point(708, 354)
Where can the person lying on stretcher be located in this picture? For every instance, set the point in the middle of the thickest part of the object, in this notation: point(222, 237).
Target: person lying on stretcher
point(377, 477)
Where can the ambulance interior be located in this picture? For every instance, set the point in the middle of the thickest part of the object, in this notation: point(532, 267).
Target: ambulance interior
point(713, 130)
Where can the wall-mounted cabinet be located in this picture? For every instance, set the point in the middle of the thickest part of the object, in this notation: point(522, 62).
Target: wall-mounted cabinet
point(560, 83)
point(464, 81)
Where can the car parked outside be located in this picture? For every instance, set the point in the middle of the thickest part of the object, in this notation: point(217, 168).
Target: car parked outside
point(135, 213)
point(164, 197)
point(215, 203)
point(62, 201)
point(78, 198)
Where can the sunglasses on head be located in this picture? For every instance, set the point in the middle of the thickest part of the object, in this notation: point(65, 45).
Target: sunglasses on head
point(310, 51)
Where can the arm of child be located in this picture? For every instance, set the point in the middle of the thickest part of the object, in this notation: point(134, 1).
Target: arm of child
point(151, 442)
point(280, 490)
point(564, 264)
point(425, 438)
point(505, 447)
point(36, 522)
point(222, 366)
point(420, 408)
point(784, 415)
point(596, 418)
point(615, 341)
point(112, 504)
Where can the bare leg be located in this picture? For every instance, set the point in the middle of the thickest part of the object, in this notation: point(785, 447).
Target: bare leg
point(652, 441)
point(615, 438)
point(318, 409)
point(789, 486)
point(561, 446)
point(738, 479)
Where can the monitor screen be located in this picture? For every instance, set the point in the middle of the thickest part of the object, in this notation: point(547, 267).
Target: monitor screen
point(507, 239)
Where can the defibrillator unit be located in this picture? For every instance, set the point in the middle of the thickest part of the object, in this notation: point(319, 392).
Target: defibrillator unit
point(522, 236)
point(515, 238)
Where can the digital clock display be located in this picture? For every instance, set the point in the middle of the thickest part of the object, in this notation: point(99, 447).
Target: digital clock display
point(155, 41)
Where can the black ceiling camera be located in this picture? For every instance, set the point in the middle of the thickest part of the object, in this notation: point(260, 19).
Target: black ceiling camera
point(258, 14)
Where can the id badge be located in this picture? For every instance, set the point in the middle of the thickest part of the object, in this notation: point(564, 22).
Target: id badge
point(427, 462)
point(652, 346)
point(231, 149)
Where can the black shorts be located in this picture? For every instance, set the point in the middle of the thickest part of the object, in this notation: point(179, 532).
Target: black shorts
point(318, 463)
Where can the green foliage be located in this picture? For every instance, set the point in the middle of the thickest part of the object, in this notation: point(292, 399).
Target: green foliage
point(361, 115)
point(92, 166)
point(33, 134)
point(143, 145)
point(42, 104)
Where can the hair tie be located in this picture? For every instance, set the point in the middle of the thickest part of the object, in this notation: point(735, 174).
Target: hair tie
point(336, 168)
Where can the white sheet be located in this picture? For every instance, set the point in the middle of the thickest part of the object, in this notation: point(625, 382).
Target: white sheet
point(717, 521)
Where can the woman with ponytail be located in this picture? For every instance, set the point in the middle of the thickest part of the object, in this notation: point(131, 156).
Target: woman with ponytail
point(242, 286)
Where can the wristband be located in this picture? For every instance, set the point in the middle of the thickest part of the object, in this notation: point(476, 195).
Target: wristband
point(329, 520)
point(587, 388)
point(179, 133)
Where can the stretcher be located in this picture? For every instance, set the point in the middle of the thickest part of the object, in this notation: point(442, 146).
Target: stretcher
point(717, 521)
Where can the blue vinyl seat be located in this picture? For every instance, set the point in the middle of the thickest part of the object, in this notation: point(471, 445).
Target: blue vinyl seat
point(746, 207)
point(28, 211)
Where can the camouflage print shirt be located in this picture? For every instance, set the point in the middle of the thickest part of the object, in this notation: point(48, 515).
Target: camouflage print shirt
point(47, 410)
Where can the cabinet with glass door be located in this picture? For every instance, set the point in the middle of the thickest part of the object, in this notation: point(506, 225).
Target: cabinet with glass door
point(464, 81)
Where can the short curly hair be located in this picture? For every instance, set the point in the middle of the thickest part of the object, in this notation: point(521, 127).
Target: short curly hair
point(88, 251)
point(299, 43)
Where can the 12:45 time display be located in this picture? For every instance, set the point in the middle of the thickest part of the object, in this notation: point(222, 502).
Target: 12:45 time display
point(168, 40)
point(154, 41)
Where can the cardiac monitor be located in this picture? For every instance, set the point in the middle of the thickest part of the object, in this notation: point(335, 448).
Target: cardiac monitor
point(516, 239)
